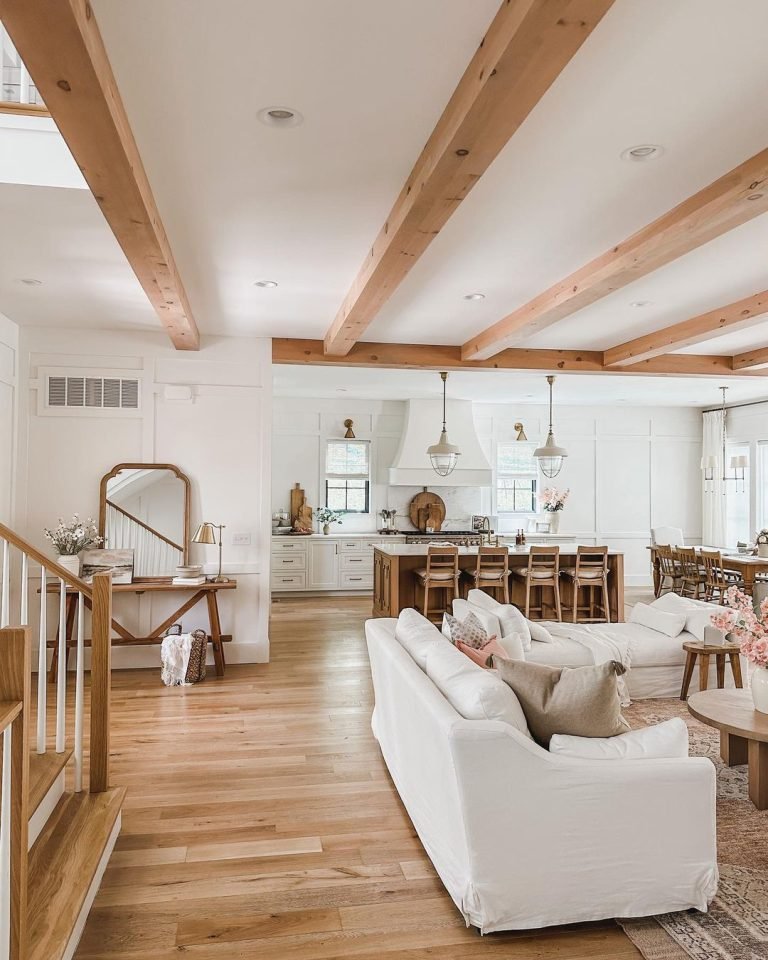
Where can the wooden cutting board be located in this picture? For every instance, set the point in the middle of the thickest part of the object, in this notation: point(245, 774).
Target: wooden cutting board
point(297, 499)
point(427, 510)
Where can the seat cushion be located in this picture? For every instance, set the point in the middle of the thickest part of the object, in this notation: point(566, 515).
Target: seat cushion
point(579, 701)
point(667, 740)
point(584, 575)
point(510, 618)
point(434, 575)
point(662, 621)
point(535, 574)
point(698, 613)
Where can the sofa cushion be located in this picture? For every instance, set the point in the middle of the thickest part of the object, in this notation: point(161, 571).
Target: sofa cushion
point(662, 621)
point(697, 613)
point(482, 655)
point(489, 620)
point(667, 740)
point(469, 630)
point(510, 618)
point(539, 632)
point(416, 634)
point(580, 701)
point(474, 693)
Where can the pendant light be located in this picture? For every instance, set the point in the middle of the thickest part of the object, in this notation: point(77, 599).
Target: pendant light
point(737, 464)
point(550, 456)
point(443, 454)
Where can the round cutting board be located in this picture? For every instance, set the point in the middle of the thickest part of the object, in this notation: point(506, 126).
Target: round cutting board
point(420, 507)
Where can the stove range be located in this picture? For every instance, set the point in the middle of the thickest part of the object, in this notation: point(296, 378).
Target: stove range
point(470, 538)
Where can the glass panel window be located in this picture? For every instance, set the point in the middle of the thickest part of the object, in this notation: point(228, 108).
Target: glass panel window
point(736, 499)
point(762, 484)
point(516, 478)
point(347, 476)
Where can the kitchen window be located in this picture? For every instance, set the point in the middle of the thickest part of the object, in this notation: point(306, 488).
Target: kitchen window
point(762, 484)
point(348, 476)
point(516, 478)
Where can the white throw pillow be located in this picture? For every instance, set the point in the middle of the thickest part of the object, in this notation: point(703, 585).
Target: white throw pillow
point(473, 692)
point(510, 618)
point(513, 646)
point(489, 621)
point(697, 613)
point(416, 634)
point(539, 632)
point(664, 740)
point(670, 624)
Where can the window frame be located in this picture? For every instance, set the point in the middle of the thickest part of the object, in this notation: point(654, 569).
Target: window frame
point(531, 476)
point(341, 481)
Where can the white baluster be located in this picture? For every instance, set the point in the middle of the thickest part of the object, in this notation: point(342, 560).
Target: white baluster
point(24, 612)
point(42, 663)
point(6, 579)
point(24, 85)
point(5, 847)
point(79, 695)
point(61, 688)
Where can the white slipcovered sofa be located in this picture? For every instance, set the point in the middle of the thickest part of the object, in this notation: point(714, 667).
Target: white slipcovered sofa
point(522, 838)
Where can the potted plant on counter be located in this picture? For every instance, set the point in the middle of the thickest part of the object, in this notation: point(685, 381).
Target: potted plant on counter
point(70, 539)
point(553, 501)
point(326, 517)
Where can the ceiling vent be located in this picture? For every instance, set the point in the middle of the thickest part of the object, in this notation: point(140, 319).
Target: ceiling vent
point(92, 393)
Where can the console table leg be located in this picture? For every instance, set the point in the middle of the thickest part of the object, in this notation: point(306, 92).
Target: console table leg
point(733, 750)
point(218, 646)
point(758, 774)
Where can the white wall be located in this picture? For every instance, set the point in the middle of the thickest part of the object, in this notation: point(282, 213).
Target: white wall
point(9, 344)
point(220, 440)
point(629, 468)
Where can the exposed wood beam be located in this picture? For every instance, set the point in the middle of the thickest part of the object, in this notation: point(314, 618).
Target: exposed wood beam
point(405, 356)
point(730, 201)
point(23, 109)
point(524, 50)
point(734, 316)
point(750, 358)
point(62, 48)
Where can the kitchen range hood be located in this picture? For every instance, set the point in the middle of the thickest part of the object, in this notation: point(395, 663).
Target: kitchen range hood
point(412, 467)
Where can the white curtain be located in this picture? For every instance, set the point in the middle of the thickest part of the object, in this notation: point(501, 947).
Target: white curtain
point(713, 500)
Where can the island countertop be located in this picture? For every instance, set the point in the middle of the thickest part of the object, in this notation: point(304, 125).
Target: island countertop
point(420, 550)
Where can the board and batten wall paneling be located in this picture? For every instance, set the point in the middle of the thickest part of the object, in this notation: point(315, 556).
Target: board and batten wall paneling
point(220, 437)
point(9, 343)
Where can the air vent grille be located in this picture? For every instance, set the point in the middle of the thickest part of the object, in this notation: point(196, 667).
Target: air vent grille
point(110, 393)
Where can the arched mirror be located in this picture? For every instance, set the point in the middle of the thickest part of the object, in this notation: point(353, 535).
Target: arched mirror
point(144, 507)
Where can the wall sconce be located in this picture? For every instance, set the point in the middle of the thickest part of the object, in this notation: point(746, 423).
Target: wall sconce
point(520, 432)
point(349, 435)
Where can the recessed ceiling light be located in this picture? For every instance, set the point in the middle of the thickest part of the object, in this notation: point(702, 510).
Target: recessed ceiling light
point(280, 117)
point(474, 296)
point(643, 151)
point(30, 282)
point(341, 389)
point(267, 284)
point(639, 304)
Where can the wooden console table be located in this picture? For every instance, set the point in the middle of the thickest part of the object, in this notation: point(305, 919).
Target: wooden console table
point(207, 591)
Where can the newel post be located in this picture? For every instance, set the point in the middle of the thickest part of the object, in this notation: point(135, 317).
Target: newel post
point(101, 680)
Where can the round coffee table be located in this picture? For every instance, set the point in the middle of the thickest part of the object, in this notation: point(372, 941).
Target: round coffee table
point(743, 734)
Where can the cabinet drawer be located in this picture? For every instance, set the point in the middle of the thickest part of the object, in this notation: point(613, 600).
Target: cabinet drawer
point(288, 581)
point(288, 562)
point(288, 545)
point(351, 546)
point(364, 562)
point(350, 580)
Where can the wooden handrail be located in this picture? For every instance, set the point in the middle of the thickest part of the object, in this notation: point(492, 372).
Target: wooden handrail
point(9, 710)
point(50, 565)
point(155, 533)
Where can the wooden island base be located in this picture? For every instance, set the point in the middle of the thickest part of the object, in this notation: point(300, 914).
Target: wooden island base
point(394, 586)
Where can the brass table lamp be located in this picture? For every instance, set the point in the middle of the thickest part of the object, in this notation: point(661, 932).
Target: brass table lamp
point(206, 533)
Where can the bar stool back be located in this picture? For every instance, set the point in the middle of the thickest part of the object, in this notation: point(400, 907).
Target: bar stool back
point(543, 571)
point(492, 571)
point(441, 573)
point(590, 572)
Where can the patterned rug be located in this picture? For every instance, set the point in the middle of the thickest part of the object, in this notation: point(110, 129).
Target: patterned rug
point(736, 926)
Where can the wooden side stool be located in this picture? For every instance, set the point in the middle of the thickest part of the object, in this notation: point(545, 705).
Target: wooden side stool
point(705, 651)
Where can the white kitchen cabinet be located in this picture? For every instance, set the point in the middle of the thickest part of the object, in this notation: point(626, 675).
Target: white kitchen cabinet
point(323, 565)
point(318, 563)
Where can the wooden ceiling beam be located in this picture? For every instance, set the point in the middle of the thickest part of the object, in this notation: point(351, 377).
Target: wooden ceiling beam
point(62, 48)
point(524, 50)
point(735, 198)
point(415, 356)
point(750, 358)
point(715, 323)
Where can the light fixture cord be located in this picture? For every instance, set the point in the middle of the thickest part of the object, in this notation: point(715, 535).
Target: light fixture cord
point(444, 378)
point(549, 381)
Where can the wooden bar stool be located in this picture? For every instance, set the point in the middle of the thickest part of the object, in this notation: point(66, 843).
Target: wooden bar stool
point(441, 573)
point(491, 572)
point(705, 651)
point(717, 580)
point(591, 573)
point(543, 571)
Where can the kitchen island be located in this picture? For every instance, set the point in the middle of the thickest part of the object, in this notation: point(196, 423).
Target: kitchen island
point(394, 586)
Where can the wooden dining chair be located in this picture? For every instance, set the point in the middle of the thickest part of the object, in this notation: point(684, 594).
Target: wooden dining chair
point(717, 580)
point(669, 570)
point(491, 572)
point(590, 573)
point(542, 572)
point(692, 580)
point(441, 573)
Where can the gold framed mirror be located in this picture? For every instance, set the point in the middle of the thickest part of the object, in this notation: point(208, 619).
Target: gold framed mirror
point(144, 507)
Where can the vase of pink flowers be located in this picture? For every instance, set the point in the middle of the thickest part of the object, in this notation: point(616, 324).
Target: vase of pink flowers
point(552, 502)
point(749, 628)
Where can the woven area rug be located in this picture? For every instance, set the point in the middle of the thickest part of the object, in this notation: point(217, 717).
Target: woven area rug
point(736, 926)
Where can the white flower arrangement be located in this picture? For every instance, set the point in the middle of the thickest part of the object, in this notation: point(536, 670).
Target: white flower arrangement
point(326, 515)
point(70, 538)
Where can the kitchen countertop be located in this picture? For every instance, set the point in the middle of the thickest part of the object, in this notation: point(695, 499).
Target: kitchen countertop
point(420, 550)
point(334, 536)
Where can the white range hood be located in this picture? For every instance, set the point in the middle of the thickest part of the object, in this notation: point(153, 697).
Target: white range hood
point(423, 420)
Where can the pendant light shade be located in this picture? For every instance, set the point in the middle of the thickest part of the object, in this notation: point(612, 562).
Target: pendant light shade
point(443, 455)
point(550, 456)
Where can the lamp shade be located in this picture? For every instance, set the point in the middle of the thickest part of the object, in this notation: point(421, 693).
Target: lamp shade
point(443, 455)
point(550, 457)
point(205, 533)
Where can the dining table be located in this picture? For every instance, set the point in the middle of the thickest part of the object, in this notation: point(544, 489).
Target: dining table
point(746, 565)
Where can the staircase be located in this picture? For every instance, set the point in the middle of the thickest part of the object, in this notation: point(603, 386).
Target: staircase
point(56, 831)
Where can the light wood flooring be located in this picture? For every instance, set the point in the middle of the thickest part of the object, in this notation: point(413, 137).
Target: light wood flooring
point(260, 822)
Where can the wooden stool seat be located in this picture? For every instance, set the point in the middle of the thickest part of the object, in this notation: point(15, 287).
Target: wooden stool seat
point(543, 571)
point(722, 652)
point(491, 572)
point(422, 574)
point(590, 575)
point(441, 573)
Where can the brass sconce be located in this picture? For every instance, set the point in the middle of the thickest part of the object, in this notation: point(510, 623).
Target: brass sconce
point(349, 435)
point(520, 432)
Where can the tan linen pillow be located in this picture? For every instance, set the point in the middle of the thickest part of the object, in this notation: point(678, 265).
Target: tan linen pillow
point(578, 701)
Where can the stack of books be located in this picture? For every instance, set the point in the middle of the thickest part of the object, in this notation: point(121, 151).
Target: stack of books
point(188, 581)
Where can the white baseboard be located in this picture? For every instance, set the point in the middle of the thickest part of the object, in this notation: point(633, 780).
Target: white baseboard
point(40, 817)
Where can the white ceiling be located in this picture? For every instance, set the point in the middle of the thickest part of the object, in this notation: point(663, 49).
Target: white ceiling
point(242, 201)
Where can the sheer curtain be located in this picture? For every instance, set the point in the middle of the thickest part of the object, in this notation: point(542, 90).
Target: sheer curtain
point(713, 502)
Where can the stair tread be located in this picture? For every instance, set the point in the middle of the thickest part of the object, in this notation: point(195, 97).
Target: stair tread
point(62, 865)
point(44, 768)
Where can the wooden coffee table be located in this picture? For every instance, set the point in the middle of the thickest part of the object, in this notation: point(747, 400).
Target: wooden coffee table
point(743, 734)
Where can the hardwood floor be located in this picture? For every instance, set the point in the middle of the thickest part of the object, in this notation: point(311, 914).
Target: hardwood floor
point(260, 821)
